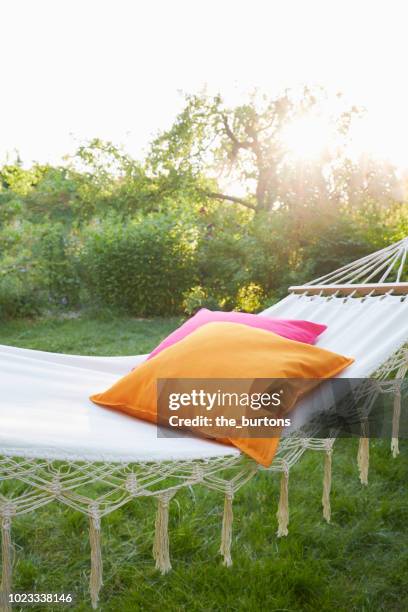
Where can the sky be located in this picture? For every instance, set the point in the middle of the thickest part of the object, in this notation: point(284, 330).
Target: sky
point(72, 70)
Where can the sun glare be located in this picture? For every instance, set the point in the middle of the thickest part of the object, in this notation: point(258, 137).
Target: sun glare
point(306, 137)
point(381, 138)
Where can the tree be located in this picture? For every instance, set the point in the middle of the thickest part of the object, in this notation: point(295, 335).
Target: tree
point(245, 145)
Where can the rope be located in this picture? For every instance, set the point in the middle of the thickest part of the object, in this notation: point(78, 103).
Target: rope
point(327, 484)
point(161, 548)
point(95, 580)
point(283, 507)
point(7, 559)
point(369, 266)
point(363, 459)
point(226, 531)
point(397, 409)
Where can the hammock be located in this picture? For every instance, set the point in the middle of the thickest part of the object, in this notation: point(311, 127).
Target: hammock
point(365, 306)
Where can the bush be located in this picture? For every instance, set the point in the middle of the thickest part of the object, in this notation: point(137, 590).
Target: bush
point(163, 263)
point(57, 265)
point(197, 298)
point(142, 267)
point(338, 245)
point(250, 298)
point(272, 255)
point(222, 255)
point(244, 262)
point(18, 295)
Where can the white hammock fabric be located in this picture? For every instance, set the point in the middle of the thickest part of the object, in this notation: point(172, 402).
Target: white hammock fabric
point(45, 416)
point(53, 418)
point(370, 329)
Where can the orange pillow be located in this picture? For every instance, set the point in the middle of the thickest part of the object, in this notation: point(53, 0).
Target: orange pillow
point(224, 350)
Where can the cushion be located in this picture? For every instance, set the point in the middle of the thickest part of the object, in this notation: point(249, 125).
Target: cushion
point(303, 331)
point(223, 350)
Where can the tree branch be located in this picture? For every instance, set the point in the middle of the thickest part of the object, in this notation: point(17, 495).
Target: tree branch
point(222, 196)
point(241, 144)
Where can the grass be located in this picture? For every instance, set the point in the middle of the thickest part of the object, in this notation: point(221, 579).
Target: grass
point(88, 336)
point(358, 563)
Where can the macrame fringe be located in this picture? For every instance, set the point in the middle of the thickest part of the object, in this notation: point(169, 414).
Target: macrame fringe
point(161, 552)
point(283, 507)
point(402, 372)
point(7, 564)
point(395, 447)
point(95, 580)
point(226, 531)
point(327, 476)
point(395, 423)
point(363, 459)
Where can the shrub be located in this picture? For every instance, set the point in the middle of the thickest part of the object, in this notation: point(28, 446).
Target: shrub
point(142, 267)
point(57, 265)
point(222, 255)
point(19, 297)
point(197, 297)
point(272, 255)
point(339, 244)
point(250, 298)
point(244, 261)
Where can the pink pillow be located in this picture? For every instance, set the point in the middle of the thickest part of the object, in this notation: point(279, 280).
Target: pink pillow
point(302, 331)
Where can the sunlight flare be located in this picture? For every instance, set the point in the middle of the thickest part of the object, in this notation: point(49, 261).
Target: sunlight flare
point(307, 137)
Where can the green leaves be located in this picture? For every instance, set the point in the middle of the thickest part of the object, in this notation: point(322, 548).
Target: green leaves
point(141, 267)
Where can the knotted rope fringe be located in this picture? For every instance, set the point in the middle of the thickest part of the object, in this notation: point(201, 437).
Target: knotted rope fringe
point(327, 484)
point(395, 423)
point(7, 563)
point(95, 580)
point(161, 553)
point(363, 459)
point(283, 507)
point(226, 531)
point(397, 410)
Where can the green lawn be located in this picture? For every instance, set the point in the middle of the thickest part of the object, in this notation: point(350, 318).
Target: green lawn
point(359, 562)
point(85, 336)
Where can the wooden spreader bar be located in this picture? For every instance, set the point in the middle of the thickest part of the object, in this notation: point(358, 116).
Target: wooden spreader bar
point(356, 289)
